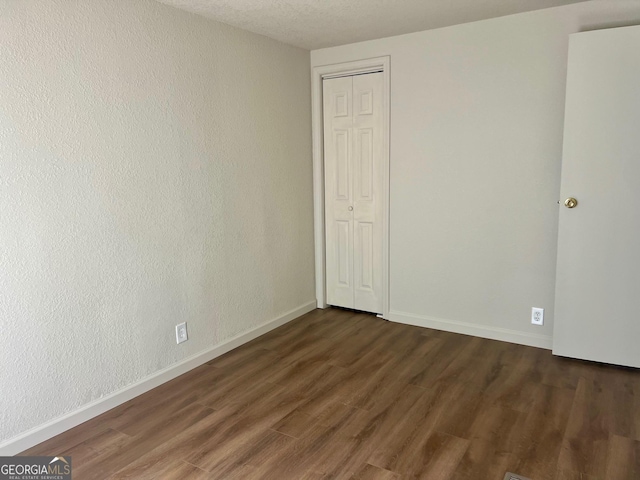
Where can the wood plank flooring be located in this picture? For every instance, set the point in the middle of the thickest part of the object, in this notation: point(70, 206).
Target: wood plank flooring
point(345, 395)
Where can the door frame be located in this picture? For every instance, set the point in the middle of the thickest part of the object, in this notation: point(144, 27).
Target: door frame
point(370, 65)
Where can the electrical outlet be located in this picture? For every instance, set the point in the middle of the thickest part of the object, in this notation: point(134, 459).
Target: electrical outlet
point(537, 316)
point(181, 333)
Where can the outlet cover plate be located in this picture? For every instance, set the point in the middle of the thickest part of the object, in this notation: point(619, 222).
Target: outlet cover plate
point(537, 316)
point(181, 333)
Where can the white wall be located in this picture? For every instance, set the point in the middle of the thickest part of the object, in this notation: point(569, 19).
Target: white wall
point(476, 145)
point(155, 168)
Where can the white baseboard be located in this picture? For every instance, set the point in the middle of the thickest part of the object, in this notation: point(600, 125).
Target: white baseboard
point(58, 425)
point(484, 331)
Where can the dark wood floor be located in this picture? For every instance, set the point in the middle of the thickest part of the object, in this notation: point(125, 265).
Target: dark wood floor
point(337, 394)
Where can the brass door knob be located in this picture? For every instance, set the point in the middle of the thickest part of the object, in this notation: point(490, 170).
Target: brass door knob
point(570, 202)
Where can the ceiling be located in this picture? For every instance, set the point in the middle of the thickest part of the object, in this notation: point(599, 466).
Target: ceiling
point(315, 24)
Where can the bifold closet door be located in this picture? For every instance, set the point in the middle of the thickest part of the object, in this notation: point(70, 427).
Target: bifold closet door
point(353, 142)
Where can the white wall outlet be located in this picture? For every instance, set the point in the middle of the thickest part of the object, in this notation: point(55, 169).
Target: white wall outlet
point(537, 316)
point(181, 333)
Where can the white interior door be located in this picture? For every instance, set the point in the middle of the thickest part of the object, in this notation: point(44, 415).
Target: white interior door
point(598, 272)
point(353, 142)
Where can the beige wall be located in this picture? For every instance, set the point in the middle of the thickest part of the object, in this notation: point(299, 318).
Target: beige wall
point(155, 168)
point(476, 145)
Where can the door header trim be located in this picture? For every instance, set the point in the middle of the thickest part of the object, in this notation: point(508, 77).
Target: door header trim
point(362, 71)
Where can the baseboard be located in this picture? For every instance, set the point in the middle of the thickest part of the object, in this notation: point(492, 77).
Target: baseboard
point(58, 425)
point(484, 331)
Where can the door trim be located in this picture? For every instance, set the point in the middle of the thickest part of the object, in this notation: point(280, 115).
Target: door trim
point(331, 71)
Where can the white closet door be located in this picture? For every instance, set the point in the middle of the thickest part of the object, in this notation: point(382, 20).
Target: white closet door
point(353, 142)
point(598, 270)
point(338, 133)
point(367, 190)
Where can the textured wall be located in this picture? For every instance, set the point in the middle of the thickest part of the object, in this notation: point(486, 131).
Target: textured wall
point(477, 116)
point(155, 167)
